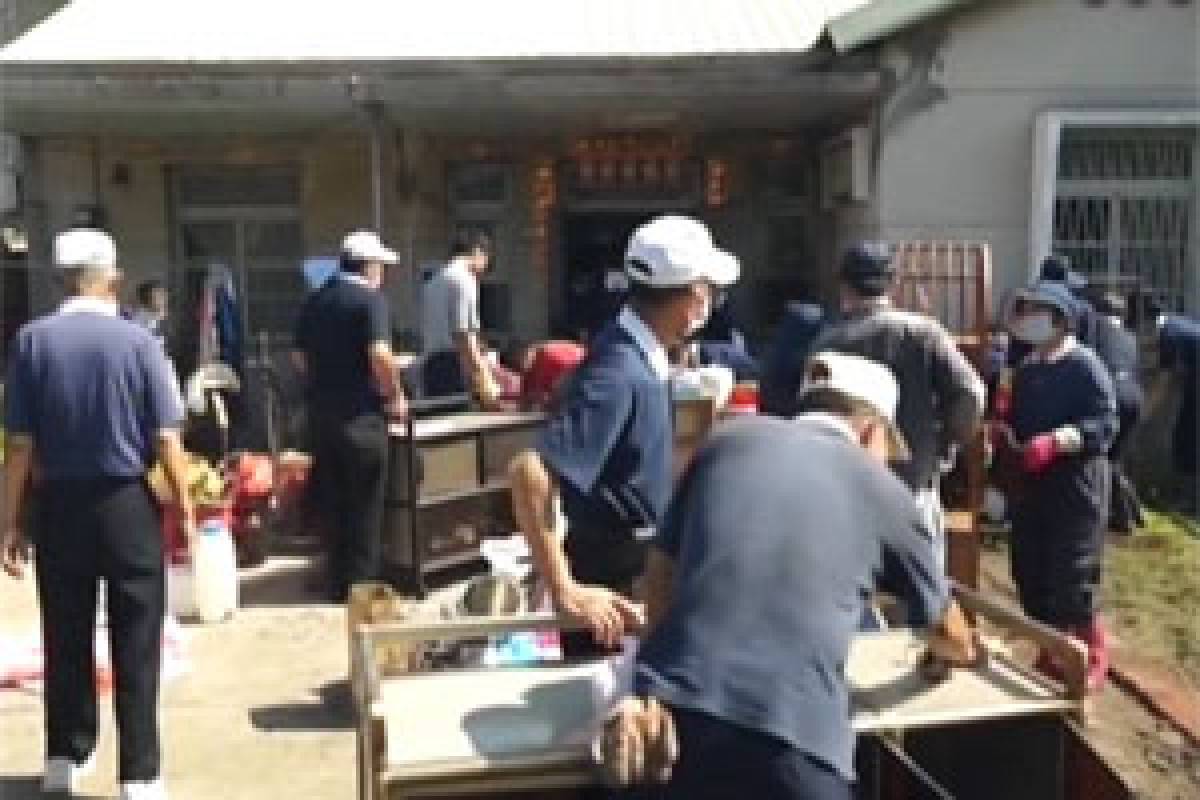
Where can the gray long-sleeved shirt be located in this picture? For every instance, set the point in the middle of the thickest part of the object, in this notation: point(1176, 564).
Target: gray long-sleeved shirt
point(941, 395)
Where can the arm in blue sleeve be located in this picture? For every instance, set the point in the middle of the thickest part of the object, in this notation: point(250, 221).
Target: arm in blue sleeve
point(18, 390)
point(164, 403)
point(577, 440)
point(909, 570)
point(1098, 422)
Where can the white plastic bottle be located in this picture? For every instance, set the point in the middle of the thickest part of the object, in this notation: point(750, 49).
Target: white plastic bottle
point(214, 572)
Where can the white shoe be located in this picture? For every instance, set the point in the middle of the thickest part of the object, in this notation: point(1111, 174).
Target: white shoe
point(63, 774)
point(144, 790)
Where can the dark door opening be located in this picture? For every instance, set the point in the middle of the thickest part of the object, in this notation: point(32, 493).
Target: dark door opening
point(15, 301)
point(593, 268)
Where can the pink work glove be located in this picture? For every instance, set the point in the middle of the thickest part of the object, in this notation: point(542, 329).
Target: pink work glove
point(1044, 449)
point(1040, 452)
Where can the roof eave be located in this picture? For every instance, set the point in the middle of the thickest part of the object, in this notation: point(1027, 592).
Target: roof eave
point(876, 21)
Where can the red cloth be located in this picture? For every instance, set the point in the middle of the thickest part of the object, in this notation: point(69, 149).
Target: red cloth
point(1040, 452)
point(552, 362)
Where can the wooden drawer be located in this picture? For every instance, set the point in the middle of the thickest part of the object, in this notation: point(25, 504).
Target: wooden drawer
point(449, 531)
point(445, 468)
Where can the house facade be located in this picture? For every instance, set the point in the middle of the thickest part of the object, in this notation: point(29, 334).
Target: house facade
point(791, 128)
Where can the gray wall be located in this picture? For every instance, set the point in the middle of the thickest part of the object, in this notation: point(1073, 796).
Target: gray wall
point(955, 155)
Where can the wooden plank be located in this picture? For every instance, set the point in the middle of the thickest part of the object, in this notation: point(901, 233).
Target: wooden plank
point(1069, 652)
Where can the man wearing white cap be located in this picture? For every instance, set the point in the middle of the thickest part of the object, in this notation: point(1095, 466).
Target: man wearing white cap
point(778, 534)
point(607, 450)
point(343, 347)
point(92, 400)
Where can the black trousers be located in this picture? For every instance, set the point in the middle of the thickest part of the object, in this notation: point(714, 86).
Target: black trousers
point(351, 456)
point(722, 761)
point(87, 531)
point(1059, 520)
point(443, 375)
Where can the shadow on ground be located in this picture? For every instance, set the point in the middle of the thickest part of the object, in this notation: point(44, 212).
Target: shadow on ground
point(331, 710)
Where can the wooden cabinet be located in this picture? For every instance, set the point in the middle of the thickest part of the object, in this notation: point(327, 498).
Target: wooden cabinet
point(448, 489)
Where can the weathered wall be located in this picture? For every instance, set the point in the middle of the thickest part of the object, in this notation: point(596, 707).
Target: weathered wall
point(956, 134)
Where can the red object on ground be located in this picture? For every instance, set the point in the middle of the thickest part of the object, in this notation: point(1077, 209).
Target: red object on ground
point(1040, 452)
point(743, 399)
point(552, 363)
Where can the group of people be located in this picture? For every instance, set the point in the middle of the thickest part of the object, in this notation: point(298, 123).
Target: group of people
point(828, 505)
point(828, 501)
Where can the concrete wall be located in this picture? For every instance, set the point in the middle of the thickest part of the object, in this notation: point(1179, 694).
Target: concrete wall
point(334, 195)
point(955, 158)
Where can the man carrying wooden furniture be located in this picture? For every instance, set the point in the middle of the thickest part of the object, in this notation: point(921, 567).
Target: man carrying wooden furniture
point(607, 448)
point(941, 396)
point(756, 583)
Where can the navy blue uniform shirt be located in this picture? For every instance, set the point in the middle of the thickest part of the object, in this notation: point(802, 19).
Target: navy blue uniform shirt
point(93, 390)
point(610, 445)
point(779, 532)
point(783, 365)
point(337, 325)
point(1073, 388)
point(1179, 349)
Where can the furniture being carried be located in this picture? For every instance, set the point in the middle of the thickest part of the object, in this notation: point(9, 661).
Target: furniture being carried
point(992, 733)
point(448, 489)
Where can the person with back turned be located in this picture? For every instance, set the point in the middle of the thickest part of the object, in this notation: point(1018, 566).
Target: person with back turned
point(941, 395)
point(755, 585)
point(92, 401)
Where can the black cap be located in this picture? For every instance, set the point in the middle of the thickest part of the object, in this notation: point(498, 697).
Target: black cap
point(869, 267)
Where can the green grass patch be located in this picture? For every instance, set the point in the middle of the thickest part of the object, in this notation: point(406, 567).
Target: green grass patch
point(1152, 591)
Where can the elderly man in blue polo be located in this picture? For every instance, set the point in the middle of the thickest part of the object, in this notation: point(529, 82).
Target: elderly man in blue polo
point(93, 402)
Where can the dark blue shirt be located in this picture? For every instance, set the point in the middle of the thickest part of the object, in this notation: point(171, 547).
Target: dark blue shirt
point(1074, 389)
point(1179, 349)
point(337, 325)
point(779, 532)
point(783, 365)
point(1117, 349)
point(610, 445)
point(93, 390)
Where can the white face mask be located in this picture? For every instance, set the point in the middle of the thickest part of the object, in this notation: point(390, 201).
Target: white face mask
point(1036, 328)
point(699, 322)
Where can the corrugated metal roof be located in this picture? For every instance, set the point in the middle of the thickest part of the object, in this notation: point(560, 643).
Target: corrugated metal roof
point(288, 31)
point(874, 21)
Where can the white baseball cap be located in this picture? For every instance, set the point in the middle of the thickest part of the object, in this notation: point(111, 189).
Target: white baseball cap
point(675, 251)
point(864, 380)
point(366, 246)
point(85, 247)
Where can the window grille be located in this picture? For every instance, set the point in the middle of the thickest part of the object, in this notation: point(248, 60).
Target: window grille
point(1125, 207)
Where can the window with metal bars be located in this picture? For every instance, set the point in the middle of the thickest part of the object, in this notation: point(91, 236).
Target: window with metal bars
point(1125, 206)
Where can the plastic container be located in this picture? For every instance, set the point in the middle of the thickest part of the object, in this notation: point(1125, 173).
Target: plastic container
point(181, 591)
point(214, 572)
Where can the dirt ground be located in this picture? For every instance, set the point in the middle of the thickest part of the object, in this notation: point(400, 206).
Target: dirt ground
point(1155, 761)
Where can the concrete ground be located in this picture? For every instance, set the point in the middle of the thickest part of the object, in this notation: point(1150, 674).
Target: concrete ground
point(261, 713)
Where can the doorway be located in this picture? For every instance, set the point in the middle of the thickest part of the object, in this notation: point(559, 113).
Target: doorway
point(593, 268)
